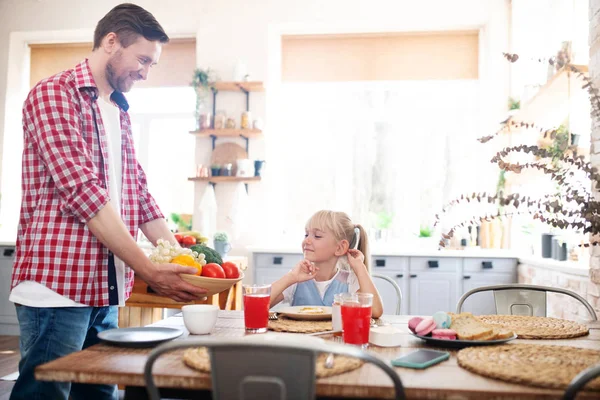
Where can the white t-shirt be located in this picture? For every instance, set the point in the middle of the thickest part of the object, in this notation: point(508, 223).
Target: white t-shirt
point(34, 294)
point(353, 287)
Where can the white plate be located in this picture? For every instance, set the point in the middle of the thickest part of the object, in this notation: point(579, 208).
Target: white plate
point(139, 337)
point(295, 313)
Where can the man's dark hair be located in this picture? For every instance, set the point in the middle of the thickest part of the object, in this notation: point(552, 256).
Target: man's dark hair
point(129, 22)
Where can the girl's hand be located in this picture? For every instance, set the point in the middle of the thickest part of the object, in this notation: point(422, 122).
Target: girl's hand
point(356, 259)
point(304, 271)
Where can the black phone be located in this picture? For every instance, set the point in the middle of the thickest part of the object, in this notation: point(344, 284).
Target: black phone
point(421, 358)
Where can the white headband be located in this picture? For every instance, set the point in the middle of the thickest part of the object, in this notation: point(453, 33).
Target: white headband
point(357, 236)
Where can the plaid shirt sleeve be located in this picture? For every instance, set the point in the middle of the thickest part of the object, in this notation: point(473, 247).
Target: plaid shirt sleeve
point(149, 210)
point(52, 119)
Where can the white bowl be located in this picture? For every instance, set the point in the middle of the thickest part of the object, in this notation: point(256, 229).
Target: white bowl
point(200, 319)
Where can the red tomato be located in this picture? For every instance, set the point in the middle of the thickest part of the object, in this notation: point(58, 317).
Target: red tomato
point(213, 270)
point(231, 270)
point(188, 241)
point(178, 237)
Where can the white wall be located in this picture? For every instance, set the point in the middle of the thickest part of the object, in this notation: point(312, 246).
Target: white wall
point(232, 30)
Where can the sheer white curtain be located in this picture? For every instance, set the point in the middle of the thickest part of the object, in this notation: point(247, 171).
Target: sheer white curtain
point(404, 148)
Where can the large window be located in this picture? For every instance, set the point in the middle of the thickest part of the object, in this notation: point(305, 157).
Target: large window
point(401, 149)
point(162, 119)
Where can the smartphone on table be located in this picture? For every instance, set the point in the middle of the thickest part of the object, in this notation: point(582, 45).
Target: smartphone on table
point(421, 359)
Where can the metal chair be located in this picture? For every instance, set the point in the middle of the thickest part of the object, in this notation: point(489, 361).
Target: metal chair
point(521, 299)
point(396, 289)
point(580, 381)
point(256, 368)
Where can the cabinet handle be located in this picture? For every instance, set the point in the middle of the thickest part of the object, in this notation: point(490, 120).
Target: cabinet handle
point(467, 277)
point(487, 265)
point(8, 252)
point(380, 263)
point(399, 275)
point(433, 264)
point(277, 260)
point(413, 275)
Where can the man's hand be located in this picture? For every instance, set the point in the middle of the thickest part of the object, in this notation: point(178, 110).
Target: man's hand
point(164, 279)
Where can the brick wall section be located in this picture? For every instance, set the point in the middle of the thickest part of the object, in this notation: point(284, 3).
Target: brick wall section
point(560, 305)
point(593, 289)
point(594, 68)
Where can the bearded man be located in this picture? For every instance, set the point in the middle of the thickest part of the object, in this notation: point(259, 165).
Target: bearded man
point(84, 197)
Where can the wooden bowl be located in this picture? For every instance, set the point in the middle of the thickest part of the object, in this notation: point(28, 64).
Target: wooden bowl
point(212, 285)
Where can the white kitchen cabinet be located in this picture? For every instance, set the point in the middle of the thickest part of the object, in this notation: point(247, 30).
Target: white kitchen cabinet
point(388, 293)
point(268, 275)
point(432, 291)
point(9, 324)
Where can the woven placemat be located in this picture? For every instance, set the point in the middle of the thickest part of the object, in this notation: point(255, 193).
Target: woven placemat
point(530, 364)
point(198, 359)
point(283, 324)
point(537, 327)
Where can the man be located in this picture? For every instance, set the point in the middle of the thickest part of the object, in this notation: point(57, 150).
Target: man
point(84, 198)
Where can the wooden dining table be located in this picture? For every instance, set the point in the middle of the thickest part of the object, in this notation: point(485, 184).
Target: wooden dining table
point(109, 364)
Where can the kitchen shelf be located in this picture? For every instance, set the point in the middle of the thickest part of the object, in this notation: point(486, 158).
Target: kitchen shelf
point(552, 96)
point(239, 86)
point(249, 133)
point(223, 179)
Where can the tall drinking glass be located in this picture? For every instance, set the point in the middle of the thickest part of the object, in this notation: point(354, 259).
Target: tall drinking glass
point(356, 318)
point(256, 307)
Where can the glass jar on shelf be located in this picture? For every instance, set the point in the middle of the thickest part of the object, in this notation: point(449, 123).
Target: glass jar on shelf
point(220, 119)
point(230, 123)
point(204, 121)
point(245, 121)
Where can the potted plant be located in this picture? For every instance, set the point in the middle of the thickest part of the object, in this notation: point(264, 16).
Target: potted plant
point(203, 82)
point(513, 106)
point(383, 222)
point(426, 238)
point(215, 170)
point(221, 243)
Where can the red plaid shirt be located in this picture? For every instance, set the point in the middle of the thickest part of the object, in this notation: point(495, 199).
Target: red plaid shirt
point(64, 185)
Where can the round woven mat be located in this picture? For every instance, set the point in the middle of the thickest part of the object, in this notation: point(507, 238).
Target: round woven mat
point(537, 327)
point(283, 324)
point(530, 364)
point(198, 359)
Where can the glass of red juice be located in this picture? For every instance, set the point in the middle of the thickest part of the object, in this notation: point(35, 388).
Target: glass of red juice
point(257, 299)
point(356, 318)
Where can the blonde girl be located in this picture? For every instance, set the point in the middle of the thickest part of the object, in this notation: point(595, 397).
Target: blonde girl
point(335, 261)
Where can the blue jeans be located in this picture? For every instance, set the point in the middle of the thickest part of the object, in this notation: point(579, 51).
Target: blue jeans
point(50, 333)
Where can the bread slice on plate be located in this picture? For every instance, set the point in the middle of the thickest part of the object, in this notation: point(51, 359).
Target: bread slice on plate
point(468, 327)
point(502, 333)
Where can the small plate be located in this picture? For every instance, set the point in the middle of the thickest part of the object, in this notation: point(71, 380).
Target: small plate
point(139, 337)
point(459, 344)
point(295, 313)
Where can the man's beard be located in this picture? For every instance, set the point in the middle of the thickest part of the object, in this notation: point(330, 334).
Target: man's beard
point(116, 82)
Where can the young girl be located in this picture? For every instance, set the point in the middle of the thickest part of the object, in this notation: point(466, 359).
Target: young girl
point(334, 262)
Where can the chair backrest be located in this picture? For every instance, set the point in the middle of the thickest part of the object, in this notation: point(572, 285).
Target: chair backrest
point(264, 369)
point(580, 381)
point(396, 289)
point(521, 299)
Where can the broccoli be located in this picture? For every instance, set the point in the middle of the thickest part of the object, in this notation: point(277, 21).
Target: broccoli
point(211, 255)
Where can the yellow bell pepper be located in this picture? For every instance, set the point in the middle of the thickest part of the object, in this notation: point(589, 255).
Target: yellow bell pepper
point(188, 261)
